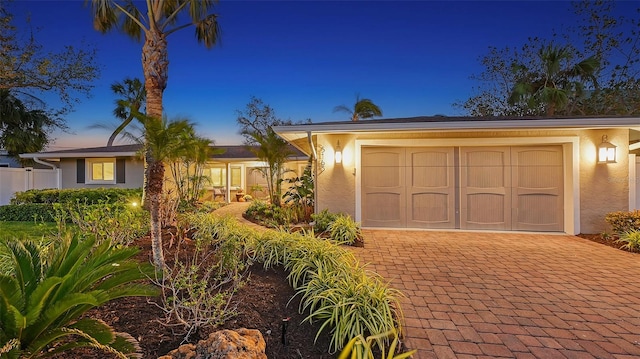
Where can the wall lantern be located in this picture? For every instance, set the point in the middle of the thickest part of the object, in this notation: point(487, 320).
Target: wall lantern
point(338, 153)
point(606, 151)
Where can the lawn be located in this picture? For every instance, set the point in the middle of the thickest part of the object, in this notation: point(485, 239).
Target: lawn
point(33, 230)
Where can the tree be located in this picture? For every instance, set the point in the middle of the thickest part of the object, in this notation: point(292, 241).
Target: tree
point(133, 97)
point(163, 140)
point(607, 44)
point(554, 83)
point(363, 108)
point(256, 123)
point(22, 130)
point(156, 22)
point(26, 70)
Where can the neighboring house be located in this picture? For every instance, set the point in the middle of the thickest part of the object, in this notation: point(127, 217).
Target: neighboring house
point(7, 161)
point(121, 166)
point(501, 174)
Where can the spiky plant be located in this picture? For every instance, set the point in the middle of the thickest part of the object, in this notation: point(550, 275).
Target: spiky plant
point(47, 291)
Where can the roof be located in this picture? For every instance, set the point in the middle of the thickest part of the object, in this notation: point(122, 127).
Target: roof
point(231, 153)
point(445, 123)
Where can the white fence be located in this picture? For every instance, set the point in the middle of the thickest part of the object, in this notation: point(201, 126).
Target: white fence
point(14, 180)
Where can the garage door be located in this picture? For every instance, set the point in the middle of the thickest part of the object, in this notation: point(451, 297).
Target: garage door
point(493, 188)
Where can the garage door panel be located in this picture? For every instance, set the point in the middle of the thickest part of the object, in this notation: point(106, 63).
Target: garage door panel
point(537, 211)
point(431, 210)
point(431, 187)
point(383, 187)
point(538, 201)
point(485, 191)
point(385, 209)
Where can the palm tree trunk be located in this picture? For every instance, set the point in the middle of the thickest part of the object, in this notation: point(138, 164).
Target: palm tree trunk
point(154, 186)
point(155, 66)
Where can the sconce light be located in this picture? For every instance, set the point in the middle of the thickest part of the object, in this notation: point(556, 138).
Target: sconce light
point(338, 153)
point(606, 151)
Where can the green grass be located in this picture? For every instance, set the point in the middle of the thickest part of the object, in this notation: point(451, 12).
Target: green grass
point(32, 230)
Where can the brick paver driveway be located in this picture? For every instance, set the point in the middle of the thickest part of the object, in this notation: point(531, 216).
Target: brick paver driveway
point(487, 295)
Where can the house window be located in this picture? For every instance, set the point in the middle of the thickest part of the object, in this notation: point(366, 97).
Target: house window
point(4, 165)
point(101, 170)
point(219, 176)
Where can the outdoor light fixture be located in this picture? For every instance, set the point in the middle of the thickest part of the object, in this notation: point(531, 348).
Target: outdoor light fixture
point(606, 151)
point(338, 153)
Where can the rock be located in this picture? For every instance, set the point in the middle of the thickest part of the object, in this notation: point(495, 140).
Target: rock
point(224, 344)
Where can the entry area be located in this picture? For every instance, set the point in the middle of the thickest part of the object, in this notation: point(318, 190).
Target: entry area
point(517, 188)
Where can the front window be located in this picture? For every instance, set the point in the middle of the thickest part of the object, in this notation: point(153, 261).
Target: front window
point(101, 170)
point(219, 176)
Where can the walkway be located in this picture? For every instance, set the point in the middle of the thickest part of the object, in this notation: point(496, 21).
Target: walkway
point(508, 295)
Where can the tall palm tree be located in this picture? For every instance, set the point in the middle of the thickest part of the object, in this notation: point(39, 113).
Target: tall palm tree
point(556, 83)
point(156, 22)
point(363, 108)
point(132, 98)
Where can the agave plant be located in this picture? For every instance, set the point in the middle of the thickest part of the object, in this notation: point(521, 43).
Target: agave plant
point(46, 293)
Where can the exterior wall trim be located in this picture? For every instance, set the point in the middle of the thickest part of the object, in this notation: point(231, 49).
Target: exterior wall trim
point(571, 154)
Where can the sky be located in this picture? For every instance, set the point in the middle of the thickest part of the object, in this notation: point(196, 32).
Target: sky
point(302, 58)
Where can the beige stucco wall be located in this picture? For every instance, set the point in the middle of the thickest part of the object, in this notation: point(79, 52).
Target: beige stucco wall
point(134, 175)
point(336, 186)
point(603, 187)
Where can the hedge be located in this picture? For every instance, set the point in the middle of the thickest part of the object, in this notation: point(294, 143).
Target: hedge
point(28, 212)
point(624, 221)
point(82, 195)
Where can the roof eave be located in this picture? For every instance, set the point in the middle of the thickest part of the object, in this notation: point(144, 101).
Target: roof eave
point(79, 155)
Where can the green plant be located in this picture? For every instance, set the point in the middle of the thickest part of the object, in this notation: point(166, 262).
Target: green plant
point(624, 221)
point(75, 195)
point(631, 240)
point(345, 230)
point(300, 194)
point(361, 348)
point(27, 212)
point(118, 223)
point(323, 220)
point(49, 289)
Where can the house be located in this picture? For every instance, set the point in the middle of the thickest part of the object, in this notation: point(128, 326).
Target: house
point(121, 166)
point(499, 174)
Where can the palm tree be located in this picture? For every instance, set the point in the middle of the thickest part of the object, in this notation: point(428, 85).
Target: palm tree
point(156, 22)
point(551, 89)
point(133, 97)
point(363, 108)
point(274, 151)
point(163, 140)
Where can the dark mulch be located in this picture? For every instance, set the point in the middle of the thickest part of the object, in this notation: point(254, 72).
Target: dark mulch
point(607, 240)
point(262, 303)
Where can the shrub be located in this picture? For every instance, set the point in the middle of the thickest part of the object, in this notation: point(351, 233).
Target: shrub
point(74, 195)
point(323, 220)
point(630, 240)
point(337, 292)
point(44, 212)
point(48, 290)
point(117, 222)
point(345, 230)
point(624, 221)
point(199, 284)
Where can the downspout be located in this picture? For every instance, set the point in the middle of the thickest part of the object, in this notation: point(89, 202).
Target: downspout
point(53, 167)
point(315, 172)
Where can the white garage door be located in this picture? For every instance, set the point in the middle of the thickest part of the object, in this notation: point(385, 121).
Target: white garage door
point(494, 188)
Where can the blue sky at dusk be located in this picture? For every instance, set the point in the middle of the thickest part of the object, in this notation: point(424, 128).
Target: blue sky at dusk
point(301, 57)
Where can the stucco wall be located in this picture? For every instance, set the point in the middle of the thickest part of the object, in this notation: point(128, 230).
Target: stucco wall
point(134, 175)
point(336, 184)
point(603, 187)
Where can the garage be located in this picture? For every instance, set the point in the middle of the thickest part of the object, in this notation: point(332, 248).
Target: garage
point(516, 188)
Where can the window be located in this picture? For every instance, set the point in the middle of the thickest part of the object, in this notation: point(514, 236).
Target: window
point(219, 176)
point(4, 165)
point(101, 170)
